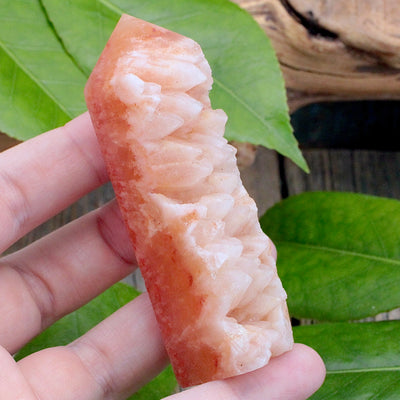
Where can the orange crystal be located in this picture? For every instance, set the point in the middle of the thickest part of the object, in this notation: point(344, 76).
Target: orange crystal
point(206, 263)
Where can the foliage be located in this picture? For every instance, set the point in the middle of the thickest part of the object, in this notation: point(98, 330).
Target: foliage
point(339, 259)
point(333, 242)
point(49, 47)
point(362, 359)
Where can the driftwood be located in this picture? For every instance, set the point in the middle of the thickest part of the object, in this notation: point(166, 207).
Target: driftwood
point(333, 49)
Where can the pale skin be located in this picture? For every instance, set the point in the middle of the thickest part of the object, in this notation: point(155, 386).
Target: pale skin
point(46, 280)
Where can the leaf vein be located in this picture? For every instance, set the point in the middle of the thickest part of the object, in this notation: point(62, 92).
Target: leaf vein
point(363, 370)
point(58, 37)
point(342, 252)
point(241, 102)
point(31, 76)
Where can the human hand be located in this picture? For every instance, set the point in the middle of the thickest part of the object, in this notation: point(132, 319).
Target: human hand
point(64, 270)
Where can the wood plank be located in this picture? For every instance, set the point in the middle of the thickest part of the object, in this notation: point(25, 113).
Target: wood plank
point(362, 171)
point(330, 170)
point(262, 179)
point(377, 173)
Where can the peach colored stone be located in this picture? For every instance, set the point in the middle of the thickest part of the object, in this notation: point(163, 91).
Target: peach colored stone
point(206, 262)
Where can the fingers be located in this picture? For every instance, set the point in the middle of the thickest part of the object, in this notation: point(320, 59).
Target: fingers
point(42, 176)
point(295, 375)
point(111, 361)
point(60, 272)
point(13, 385)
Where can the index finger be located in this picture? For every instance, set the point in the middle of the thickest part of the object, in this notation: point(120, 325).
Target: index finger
point(42, 176)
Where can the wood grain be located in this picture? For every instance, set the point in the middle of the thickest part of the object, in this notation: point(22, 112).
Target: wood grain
point(362, 171)
point(262, 179)
point(334, 49)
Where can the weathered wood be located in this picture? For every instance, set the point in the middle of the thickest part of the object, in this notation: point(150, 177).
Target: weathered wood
point(262, 179)
point(362, 171)
point(333, 49)
point(377, 173)
point(371, 26)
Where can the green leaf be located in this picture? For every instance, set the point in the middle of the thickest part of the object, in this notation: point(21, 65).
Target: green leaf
point(40, 86)
point(79, 322)
point(248, 83)
point(338, 254)
point(362, 359)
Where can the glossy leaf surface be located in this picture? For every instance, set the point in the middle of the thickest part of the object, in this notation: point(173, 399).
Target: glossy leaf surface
point(362, 359)
point(338, 254)
point(40, 86)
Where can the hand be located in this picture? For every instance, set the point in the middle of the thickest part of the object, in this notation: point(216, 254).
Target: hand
point(46, 280)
